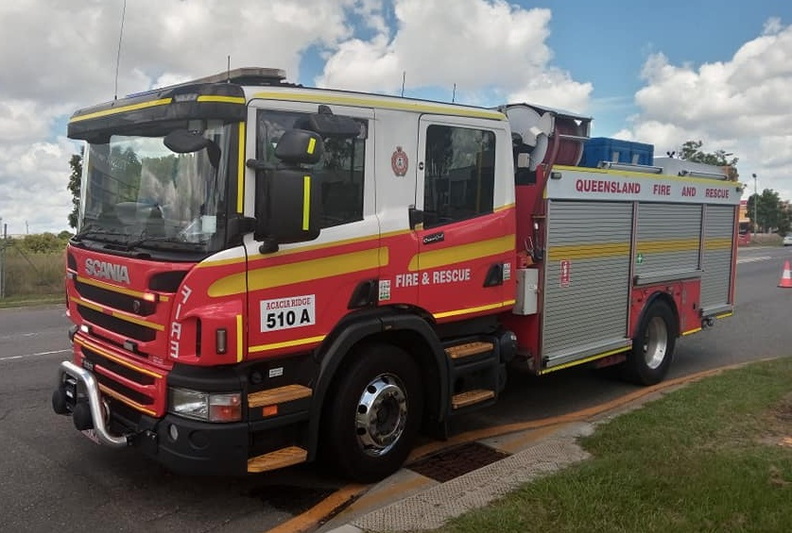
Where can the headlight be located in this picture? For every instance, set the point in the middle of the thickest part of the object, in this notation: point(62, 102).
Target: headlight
point(206, 406)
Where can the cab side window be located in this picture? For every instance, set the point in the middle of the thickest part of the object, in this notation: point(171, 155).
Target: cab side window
point(459, 179)
point(340, 171)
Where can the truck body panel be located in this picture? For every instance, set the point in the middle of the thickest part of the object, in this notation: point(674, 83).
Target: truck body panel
point(458, 240)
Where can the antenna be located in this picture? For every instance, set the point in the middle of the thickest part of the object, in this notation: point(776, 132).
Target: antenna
point(453, 95)
point(228, 70)
point(404, 78)
point(118, 54)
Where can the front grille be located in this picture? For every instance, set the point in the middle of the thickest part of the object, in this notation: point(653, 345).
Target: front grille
point(122, 327)
point(133, 395)
point(121, 370)
point(130, 383)
point(113, 299)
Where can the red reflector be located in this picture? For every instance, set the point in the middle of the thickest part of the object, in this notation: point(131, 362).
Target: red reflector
point(269, 410)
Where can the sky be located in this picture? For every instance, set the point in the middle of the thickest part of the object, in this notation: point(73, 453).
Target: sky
point(656, 72)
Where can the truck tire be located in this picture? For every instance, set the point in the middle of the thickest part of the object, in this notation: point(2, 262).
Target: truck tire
point(653, 346)
point(373, 413)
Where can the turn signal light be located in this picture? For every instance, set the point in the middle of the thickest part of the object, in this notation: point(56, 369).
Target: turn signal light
point(221, 340)
point(225, 408)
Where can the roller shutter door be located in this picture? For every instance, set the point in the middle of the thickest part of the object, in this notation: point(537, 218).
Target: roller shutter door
point(669, 238)
point(586, 278)
point(717, 258)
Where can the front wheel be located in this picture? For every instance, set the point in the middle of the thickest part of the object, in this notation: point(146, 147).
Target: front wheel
point(653, 346)
point(373, 413)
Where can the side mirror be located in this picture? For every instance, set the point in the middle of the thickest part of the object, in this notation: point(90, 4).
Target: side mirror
point(295, 148)
point(288, 207)
point(299, 147)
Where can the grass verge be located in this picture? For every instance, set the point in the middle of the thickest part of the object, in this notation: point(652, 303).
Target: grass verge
point(713, 456)
point(31, 300)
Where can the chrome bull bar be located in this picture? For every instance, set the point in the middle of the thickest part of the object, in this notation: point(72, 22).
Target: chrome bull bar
point(91, 387)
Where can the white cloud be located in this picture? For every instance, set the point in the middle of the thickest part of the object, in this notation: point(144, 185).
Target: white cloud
point(743, 106)
point(64, 57)
point(59, 56)
point(33, 183)
point(489, 49)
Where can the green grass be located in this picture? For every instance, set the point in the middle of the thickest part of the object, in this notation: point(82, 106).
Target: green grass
point(703, 458)
point(32, 277)
point(32, 300)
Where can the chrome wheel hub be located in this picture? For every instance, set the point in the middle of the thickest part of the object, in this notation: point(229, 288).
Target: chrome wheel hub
point(381, 415)
point(655, 343)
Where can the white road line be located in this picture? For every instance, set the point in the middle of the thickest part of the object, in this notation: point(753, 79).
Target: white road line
point(16, 335)
point(39, 354)
point(753, 259)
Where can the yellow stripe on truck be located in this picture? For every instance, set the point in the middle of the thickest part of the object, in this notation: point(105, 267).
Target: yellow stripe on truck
point(461, 253)
point(299, 272)
point(396, 104)
point(588, 251)
point(123, 109)
point(306, 202)
point(241, 169)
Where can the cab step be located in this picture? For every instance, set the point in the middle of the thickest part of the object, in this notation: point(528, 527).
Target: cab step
point(471, 397)
point(278, 459)
point(288, 393)
point(471, 348)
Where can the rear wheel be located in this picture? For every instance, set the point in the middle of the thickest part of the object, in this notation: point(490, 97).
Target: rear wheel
point(653, 346)
point(373, 413)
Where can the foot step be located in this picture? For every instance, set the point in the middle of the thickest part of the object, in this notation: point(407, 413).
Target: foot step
point(471, 348)
point(463, 399)
point(280, 395)
point(277, 459)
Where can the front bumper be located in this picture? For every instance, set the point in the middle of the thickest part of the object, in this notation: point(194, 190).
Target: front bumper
point(181, 445)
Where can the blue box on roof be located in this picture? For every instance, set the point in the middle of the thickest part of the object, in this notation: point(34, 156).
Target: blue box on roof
point(599, 149)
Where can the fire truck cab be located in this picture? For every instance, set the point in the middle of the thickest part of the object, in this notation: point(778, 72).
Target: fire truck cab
point(264, 272)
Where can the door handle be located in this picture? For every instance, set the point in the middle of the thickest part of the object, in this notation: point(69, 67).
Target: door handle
point(416, 217)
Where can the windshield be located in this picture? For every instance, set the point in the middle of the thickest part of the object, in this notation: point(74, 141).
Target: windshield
point(137, 193)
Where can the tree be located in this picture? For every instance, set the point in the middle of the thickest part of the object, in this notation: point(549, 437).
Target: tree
point(75, 163)
point(41, 243)
point(691, 151)
point(771, 212)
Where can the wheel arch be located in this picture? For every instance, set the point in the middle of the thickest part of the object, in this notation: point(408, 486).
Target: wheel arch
point(405, 328)
point(658, 296)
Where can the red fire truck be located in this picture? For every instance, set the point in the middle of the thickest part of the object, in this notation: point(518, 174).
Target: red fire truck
point(265, 273)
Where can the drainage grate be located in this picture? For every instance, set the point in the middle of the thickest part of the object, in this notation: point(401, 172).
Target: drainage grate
point(291, 499)
point(449, 464)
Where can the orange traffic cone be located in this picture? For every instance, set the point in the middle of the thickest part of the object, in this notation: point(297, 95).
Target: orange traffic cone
point(786, 277)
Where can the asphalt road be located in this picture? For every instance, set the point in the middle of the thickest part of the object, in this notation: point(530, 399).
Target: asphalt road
point(52, 478)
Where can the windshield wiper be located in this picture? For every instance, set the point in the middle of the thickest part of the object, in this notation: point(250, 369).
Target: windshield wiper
point(94, 230)
point(144, 241)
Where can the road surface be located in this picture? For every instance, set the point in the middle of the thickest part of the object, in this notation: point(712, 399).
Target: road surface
point(52, 478)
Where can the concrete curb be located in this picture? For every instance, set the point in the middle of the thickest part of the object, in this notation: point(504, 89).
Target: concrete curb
point(431, 508)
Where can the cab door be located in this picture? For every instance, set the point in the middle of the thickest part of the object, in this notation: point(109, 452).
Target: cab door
point(465, 235)
point(297, 294)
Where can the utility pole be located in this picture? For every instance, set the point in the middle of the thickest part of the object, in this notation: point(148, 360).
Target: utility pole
point(2, 259)
point(756, 202)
